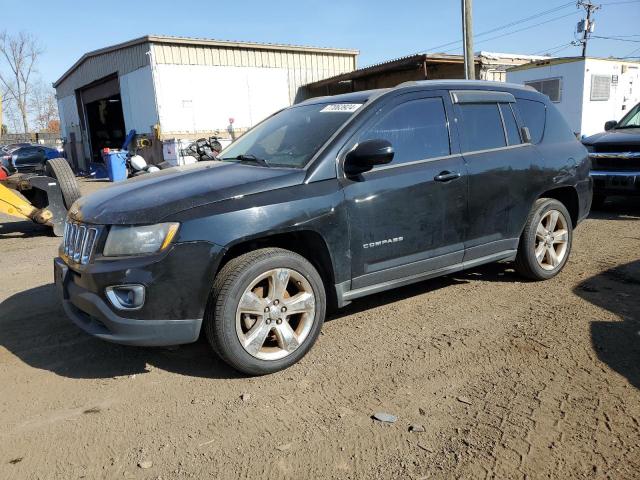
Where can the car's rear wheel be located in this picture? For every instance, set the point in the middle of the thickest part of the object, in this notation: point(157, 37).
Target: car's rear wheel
point(545, 243)
point(266, 310)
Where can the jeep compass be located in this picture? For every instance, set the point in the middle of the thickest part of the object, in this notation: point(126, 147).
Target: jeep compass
point(324, 202)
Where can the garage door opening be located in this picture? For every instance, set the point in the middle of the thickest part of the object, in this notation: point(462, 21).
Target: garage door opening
point(106, 125)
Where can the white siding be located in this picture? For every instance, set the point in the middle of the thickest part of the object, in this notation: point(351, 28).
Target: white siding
point(68, 112)
point(302, 67)
point(626, 93)
point(200, 98)
point(571, 86)
point(138, 100)
point(119, 61)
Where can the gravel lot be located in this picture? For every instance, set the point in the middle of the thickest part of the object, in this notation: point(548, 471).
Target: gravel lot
point(510, 379)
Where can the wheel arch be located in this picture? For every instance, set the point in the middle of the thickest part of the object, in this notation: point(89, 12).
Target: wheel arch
point(307, 243)
point(568, 196)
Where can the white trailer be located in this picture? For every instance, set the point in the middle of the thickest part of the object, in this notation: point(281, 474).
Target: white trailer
point(588, 91)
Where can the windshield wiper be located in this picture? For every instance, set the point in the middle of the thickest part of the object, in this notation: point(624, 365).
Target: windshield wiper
point(249, 158)
point(626, 126)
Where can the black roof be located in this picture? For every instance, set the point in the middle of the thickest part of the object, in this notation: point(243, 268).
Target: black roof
point(366, 95)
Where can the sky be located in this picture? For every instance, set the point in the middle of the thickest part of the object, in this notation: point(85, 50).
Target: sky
point(380, 30)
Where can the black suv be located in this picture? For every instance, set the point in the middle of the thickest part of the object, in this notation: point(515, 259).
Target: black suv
point(326, 201)
point(615, 157)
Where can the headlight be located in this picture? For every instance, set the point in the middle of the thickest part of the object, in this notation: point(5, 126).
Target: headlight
point(138, 240)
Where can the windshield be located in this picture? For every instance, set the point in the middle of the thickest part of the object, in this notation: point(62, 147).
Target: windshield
point(291, 137)
point(631, 119)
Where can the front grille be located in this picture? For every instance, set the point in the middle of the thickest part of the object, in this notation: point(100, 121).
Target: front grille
point(79, 241)
point(613, 163)
point(615, 148)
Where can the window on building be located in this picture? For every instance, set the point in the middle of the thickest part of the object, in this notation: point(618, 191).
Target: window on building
point(481, 127)
point(550, 87)
point(417, 130)
point(533, 115)
point(510, 125)
point(600, 87)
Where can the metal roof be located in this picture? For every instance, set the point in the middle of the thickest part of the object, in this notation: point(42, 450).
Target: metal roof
point(396, 64)
point(561, 60)
point(203, 42)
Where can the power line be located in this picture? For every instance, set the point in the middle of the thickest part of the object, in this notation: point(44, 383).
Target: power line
point(548, 49)
point(621, 3)
point(616, 39)
point(554, 50)
point(523, 29)
point(507, 25)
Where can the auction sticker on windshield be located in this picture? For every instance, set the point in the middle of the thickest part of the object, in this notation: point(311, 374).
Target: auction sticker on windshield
point(342, 107)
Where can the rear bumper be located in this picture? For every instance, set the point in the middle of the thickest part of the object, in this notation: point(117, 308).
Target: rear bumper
point(91, 313)
point(614, 182)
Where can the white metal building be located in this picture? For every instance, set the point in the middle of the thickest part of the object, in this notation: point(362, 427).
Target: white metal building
point(173, 87)
point(588, 91)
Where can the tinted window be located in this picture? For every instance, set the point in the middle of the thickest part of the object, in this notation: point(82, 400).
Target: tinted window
point(291, 137)
point(481, 127)
point(533, 116)
point(558, 129)
point(510, 125)
point(416, 129)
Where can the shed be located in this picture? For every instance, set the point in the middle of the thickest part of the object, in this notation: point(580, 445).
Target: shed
point(422, 66)
point(588, 91)
point(175, 87)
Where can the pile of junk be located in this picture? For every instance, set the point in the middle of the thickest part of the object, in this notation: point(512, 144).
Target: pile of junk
point(128, 162)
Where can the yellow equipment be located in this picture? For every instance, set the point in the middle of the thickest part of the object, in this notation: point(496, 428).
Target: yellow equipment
point(41, 196)
point(16, 205)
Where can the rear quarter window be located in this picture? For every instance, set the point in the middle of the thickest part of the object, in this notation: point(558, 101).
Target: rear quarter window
point(481, 127)
point(533, 115)
point(557, 129)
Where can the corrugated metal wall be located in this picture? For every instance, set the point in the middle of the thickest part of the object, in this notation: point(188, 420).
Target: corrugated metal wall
point(303, 67)
point(122, 61)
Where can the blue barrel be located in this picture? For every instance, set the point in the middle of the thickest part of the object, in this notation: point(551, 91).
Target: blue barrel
point(116, 163)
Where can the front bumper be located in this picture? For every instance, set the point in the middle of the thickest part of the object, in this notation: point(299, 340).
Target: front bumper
point(92, 314)
point(615, 182)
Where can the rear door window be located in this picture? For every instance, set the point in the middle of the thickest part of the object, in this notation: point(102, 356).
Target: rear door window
point(417, 130)
point(510, 125)
point(533, 115)
point(481, 127)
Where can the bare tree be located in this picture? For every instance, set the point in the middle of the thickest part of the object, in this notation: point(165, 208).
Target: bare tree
point(44, 107)
point(20, 52)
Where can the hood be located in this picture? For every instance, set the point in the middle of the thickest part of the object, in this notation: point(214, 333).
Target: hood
point(154, 197)
point(623, 136)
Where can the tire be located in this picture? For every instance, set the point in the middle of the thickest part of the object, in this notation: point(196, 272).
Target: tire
point(598, 201)
point(59, 169)
point(534, 241)
point(230, 329)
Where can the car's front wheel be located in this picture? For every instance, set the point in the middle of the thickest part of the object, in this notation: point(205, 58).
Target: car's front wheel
point(545, 242)
point(266, 310)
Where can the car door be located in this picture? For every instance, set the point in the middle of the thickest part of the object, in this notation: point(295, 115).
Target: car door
point(499, 171)
point(26, 158)
point(408, 217)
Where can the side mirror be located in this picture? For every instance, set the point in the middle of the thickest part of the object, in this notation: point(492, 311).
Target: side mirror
point(610, 124)
point(526, 134)
point(367, 155)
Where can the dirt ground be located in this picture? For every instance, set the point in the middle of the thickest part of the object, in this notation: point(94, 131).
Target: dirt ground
point(510, 379)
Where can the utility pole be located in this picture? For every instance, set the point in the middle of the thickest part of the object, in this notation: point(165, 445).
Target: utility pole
point(586, 26)
point(467, 39)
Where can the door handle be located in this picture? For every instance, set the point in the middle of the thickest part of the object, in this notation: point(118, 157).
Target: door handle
point(446, 176)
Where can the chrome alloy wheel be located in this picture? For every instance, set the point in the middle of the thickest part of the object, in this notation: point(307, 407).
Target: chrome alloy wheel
point(275, 314)
point(552, 237)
